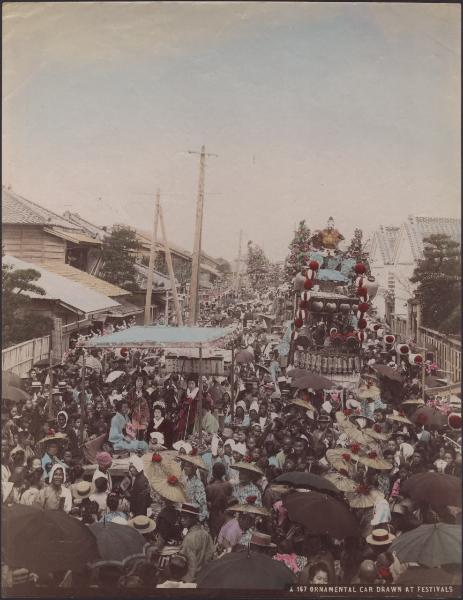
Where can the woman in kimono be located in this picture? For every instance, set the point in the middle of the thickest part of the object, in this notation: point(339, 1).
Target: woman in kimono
point(139, 408)
point(117, 437)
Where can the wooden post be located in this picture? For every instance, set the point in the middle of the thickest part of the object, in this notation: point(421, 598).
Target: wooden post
point(149, 283)
point(196, 261)
point(423, 375)
point(50, 382)
point(199, 414)
point(166, 312)
point(170, 268)
point(82, 402)
point(236, 281)
point(232, 383)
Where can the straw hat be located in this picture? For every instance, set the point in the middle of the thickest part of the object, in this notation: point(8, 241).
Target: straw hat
point(374, 461)
point(249, 508)
point(380, 537)
point(340, 459)
point(399, 418)
point(53, 437)
point(169, 487)
point(376, 435)
point(190, 509)
point(181, 444)
point(194, 460)
point(344, 484)
point(142, 524)
point(36, 384)
point(360, 498)
point(373, 392)
point(247, 467)
point(343, 420)
point(81, 490)
point(160, 465)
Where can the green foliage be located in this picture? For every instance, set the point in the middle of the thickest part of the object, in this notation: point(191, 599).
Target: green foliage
point(119, 253)
point(298, 250)
point(257, 266)
point(19, 324)
point(438, 275)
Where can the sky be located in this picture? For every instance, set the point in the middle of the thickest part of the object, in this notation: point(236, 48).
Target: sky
point(314, 110)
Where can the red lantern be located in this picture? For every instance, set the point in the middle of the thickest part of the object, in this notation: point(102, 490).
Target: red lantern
point(355, 448)
point(362, 323)
point(362, 292)
point(298, 322)
point(347, 412)
point(156, 458)
point(360, 268)
point(303, 305)
point(313, 264)
point(376, 326)
point(308, 284)
point(454, 421)
point(363, 307)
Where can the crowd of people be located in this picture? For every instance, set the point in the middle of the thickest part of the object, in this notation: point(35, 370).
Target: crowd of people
point(130, 448)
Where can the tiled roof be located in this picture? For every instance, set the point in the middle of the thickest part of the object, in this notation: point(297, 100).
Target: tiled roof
point(91, 229)
point(94, 283)
point(387, 238)
point(418, 228)
point(16, 210)
point(71, 235)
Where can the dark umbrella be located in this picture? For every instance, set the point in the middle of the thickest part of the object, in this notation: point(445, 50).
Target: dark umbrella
point(117, 542)
point(424, 576)
point(243, 357)
point(245, 570)
point(437, 489)
point(297, 373)
point(307, 480)
point(10, 378)
point(321, 514)
point(314, 381)
point(388, 373)
point(428, 415)
point(433, 382)
point(429, 545)
point(45, 540)
point(10, 392)
point(41, 364)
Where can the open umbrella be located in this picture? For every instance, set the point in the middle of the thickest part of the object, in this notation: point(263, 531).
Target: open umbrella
point(321, 514)
point(306, 480)
point(113, 376)
point(428, 415)
point(244, 357)
point(297, 373)
point(314, 381)
point(425, 576)
point(10, 378)
point(438, 489)
point(429, 545)
point(45, 540)
point(117, 542)
point(245, 570)
point(388, 373)
point(15, 394)
point(42, 363)
point(91, 362)
point(341, 460)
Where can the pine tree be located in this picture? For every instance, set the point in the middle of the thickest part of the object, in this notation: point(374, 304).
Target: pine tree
point(438, 275)
point(298, 250)
point(119, 256)
point(356, 245)
point(257, 266)
point(19, 323)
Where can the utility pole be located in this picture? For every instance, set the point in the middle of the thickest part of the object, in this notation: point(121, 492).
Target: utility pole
point(149, 283)
point(196, 264)
point(170, 268)
point(236, 282)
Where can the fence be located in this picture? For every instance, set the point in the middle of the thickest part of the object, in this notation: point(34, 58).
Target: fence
point(20, 358)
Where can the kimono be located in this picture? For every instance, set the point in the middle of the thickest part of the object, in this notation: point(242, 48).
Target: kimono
point(117, 438)
point(140, 411)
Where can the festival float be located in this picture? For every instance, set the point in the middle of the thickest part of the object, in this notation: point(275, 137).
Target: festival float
point(333, 290)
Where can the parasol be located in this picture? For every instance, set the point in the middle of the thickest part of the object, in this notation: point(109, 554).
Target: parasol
point(341, 460)
point(113, 376)
point(117, 542)
point(321, 514)
point(15, 394)
point(429, 545)
point(428, 415)
point(301, 479)
point(388, 373)
point(245, 570)
point(313, 381)
point(361, 497)
point(10, 378)
point(244, 357)
point(434, 488)
point(45, 540)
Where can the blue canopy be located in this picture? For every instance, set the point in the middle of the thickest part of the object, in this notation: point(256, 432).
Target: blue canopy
point(155, 336)
point(331, 275)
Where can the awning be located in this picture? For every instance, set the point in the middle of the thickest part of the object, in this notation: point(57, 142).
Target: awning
point(71, 235)
point(94, 283)
point(155, 336)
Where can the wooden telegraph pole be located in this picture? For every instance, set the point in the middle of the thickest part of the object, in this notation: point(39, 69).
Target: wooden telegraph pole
point(170, 268)
point(236, 282)
point(194, 288)
point(149, 284)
